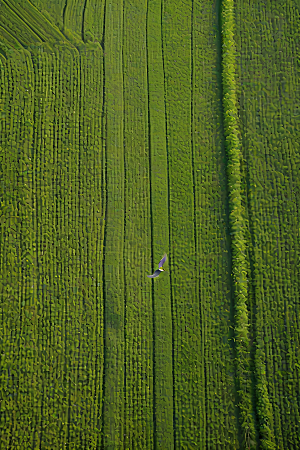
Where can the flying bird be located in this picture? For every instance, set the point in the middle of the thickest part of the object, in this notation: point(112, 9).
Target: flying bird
point(160, 267)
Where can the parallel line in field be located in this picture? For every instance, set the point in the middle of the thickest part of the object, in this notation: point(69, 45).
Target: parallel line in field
point(139, 328)
point(158, 210)
point(237, 221)
point(102, 40)
point(82, 20)
point(127, 366)
point(113, 373)
point(56, 210)
point(15, 150)
point(7, 30)
point(196, 243)
point(151, 234)
point(169, 223)
point(19, 18)
point(40, 292)
point(105, 199)
point(27, 13)
point(12, 238)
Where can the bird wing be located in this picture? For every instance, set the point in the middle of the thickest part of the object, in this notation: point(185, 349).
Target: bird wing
point(162, 261)
point(156, 273)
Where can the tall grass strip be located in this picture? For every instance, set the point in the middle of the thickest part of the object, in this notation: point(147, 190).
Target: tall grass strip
point(139, 425)
point(217, 420)
point(114, 290)
point(272, 152)
point(177, 53)
point(237, 224)
point(162, 318)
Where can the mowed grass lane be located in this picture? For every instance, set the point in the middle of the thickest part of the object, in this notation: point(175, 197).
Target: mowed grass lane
point(162, 317)
point(139, 423)
point(187, 357)
point(219, 418)
point(269, 78)
point(114, 283)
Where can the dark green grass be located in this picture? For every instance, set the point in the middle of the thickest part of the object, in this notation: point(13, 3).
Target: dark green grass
point(269, 79)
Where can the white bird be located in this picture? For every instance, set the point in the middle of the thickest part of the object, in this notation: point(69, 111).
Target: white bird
point(160, 268)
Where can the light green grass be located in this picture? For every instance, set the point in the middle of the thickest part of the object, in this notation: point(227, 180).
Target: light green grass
point(50, 256)
point(139, 337)
point(218, 411)
point(114, 287)
point(176, 37)
point(123, 136)
point(162, 317)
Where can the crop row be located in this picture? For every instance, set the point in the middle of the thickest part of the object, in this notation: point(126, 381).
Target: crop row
point(52, 236)
point(240, 272)
point(114, 283)
point(161, 292)
point(177, 54)
point(17, 236)
point(218, 410)
point(137, 238)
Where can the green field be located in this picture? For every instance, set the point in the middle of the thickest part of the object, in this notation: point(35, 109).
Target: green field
point(130, 129)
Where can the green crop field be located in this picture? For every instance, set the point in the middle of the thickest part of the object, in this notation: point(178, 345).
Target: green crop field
point(130, 129)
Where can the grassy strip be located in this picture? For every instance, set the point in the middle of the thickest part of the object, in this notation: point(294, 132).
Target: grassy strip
point(45, 237)
point(30, 16)
point(163, 381)
point(18, 28)
point(53, 230)
point(72, 23)
point(139, 426)
point(217, 417)
point(73, 17)
point(177, 52)
point(114, 370)
point(93, 21)
point(74, 384)
point(271, 139)
point(53, 11)
point(17, 256)
point(59, 250)
point(91, 234)
point(237, 223)
point(8, 42)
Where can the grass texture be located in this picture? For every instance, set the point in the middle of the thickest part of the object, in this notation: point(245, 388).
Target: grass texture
point(128, 130)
